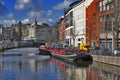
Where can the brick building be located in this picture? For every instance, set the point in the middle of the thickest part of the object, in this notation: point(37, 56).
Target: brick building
point(102, 20)
point(92, 24)
point(62, 31)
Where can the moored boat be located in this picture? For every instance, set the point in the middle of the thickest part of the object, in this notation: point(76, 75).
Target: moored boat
point(71, 56)
point(43, 50)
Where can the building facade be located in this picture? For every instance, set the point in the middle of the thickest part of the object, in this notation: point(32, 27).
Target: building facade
point(41, 32)
point(92, 24)
point(62, 30)
point(69, 27)
point(76, 22)
point(109, 15)
point(20, 32)
point(1, 33)
point(103, 21)
point(53, 36)
point(79, 11)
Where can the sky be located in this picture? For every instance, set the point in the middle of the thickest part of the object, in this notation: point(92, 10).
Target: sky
point(45, 11)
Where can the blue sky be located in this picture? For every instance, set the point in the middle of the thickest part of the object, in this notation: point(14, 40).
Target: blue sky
point(47, 11)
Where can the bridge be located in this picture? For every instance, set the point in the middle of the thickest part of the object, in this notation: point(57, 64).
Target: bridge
point(16, 44)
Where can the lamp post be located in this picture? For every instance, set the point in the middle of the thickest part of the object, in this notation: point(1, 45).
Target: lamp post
point(113, 37)
point(106, 25)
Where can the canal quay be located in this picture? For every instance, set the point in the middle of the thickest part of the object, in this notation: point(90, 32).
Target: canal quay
point(28, 64)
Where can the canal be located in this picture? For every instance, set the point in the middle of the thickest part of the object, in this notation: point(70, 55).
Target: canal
point(27, 64)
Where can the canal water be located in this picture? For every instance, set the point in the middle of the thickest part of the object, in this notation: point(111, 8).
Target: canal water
point(27, 64)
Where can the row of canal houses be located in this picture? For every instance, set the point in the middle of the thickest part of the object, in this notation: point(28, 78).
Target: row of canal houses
point(38, 32)
point(20, 31)
point(94, 22)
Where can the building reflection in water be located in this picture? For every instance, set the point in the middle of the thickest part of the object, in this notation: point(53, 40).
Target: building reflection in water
point(96, 71)
point(72, 71)
point(100, 71)
point(26, 69)
point(54, 69)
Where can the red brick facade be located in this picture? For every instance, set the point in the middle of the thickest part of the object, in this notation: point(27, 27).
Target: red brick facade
point(92, 23)
point(99, 17)
point(62, 32)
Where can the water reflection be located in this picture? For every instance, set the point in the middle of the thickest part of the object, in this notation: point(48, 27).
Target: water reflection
point(100, 71)
point(72, 71)
point(23, 70)
point(20, 52)
point(31, 66)
point(43, 68)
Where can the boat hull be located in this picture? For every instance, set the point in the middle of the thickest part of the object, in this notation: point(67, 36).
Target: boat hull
point(70, 58)
point(73, 57)
point(84, 57)
point(44, 52)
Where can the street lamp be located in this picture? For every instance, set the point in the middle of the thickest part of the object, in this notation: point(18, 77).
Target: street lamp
point(113, 36)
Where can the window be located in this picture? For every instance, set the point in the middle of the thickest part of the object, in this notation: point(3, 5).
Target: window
point(104, 3)
point(101, 18)
point(109, 0)
point(104, 8)
point(71, 14)
point(100, 4)
point(79, 39)
point(71, 22)
point(100, 9)
point(108, 7)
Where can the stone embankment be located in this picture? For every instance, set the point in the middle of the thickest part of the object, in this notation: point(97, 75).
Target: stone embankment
point(13, 44)
point(112, 60)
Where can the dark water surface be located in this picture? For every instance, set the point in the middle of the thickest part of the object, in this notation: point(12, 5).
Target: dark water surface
point(31, 66)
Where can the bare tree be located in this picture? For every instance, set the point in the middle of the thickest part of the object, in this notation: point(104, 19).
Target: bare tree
point(116, 17)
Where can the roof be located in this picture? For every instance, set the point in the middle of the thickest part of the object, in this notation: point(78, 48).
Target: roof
point(74, 3)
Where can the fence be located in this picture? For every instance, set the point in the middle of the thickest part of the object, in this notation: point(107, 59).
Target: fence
point(104, 52)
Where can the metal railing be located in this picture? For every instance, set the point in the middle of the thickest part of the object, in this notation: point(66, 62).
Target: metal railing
point(104, 52)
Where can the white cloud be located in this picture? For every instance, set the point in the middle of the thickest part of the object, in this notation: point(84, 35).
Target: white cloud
point(25, 1)
point(62, 5)
point(49, 12)
point(2, 2)
point(25, 21)
point(21, 4)
point(8, 23)
point(10, 15)
point(7, 20)
point(28, 5)
point(34, 13)
point(41, 16)
point(50, 20)
point(3, 8)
